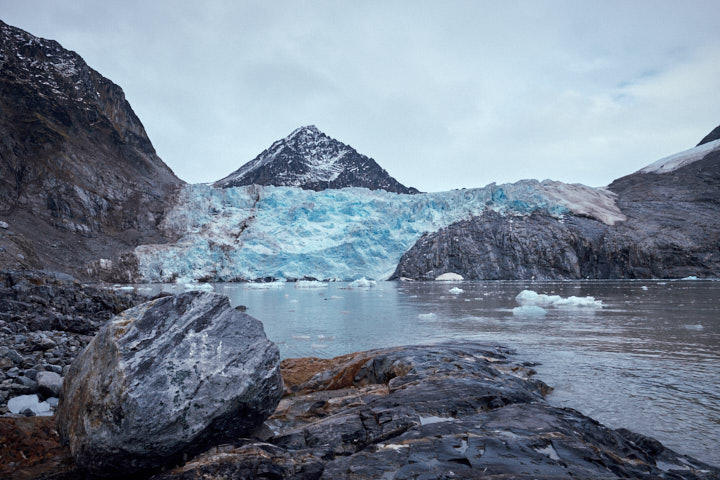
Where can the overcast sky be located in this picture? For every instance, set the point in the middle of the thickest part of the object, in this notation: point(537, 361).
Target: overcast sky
point(442, 94)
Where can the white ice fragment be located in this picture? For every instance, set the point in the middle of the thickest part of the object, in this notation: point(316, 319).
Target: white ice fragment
point(362, 283)
point(199, 287)
point(264, 286)
point(125, 288)
point(301, 337)
point(644, 287)
point(426, 316)
point(530, 297)
point(310, 284)
point(529, 311)
point(456, 291)
point(23, 402)
point(691, 277)
point(449, 277)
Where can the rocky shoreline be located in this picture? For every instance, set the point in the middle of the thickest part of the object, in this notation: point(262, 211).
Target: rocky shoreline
point(451, 410)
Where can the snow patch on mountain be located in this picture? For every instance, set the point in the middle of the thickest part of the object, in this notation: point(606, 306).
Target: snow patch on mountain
point(681, 159)
point(256, 231)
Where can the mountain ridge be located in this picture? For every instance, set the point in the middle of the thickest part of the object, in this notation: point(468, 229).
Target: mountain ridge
point(308, 158)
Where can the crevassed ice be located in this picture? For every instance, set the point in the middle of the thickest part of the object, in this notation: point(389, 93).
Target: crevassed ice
point(255, 231)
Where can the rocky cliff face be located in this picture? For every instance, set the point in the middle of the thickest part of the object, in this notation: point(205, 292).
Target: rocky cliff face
point(79, 178)
point(309, 159)
point(672, 230)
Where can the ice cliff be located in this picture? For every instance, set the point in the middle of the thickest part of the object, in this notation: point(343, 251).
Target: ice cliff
point(252, 232)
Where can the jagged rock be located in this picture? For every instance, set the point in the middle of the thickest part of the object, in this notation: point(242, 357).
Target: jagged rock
point(165, 379)
point(309, 159)
point(49, 384)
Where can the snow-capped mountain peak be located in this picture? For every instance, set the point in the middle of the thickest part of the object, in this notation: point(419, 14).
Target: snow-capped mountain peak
point(309, 159)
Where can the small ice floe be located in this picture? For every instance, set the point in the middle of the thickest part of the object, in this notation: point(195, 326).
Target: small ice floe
point(529, 311)
point(644, 287)
point(691, 277)
point(456, 291)
point(264, 286)
point(449, 277)
point(529, 297)
point(301, 337)
point(318, 346)
point(694, 327)
point(427, 316)
point(326, 338)
point(32, 402)
point(310, 284)
point(362, 283)
point(336, 297)
point(199, 287)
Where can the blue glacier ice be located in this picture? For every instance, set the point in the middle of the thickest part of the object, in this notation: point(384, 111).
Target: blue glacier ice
point(250, 232)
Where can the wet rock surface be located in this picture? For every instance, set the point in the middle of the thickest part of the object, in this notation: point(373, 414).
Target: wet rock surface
point(166, 379)
point(672, 230)
point(46, 319)
point(444, 411)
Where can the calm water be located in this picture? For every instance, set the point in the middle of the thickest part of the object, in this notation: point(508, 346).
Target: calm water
point(649, 360)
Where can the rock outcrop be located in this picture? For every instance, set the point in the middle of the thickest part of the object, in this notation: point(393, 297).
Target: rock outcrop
point(79, 178)
point(453, 410)
point(309, 159)
point(167, 379)
point(444, 411)
point(672, 230)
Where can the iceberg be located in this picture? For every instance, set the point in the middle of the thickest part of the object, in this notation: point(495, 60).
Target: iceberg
point(532, 298)
point(456, 291)
point(253, 232)
point(449, 277)
point(362, 283)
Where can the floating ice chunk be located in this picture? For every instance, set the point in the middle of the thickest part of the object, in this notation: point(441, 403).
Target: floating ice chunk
point(449, 277)
point(530, 297)
point(644, 287)
point(426, 316)
point(362, 283)
point(264, 286)
point(19, 404)
point(691, 277)
point(301, 337)
point(529, 311)
point(694, 327)
point(199, 287)
point(310, 284)
point(456, 291)
point(326, 337)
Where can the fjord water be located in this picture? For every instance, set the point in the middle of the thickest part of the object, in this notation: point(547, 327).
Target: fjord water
point(648, 360)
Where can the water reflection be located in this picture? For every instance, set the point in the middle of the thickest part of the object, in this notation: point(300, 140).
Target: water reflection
point(649, 360)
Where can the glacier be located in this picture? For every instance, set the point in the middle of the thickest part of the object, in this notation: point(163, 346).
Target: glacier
point(262, 232)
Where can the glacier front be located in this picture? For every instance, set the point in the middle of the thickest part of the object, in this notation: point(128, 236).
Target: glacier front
point(253, 232)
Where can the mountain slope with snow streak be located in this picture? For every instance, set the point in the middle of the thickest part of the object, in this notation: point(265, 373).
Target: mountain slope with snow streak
point(309, 159)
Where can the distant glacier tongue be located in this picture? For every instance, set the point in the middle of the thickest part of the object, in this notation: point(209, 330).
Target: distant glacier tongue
point(255, 231)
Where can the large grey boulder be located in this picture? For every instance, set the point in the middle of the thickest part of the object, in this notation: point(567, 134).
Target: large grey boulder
point(165, 379)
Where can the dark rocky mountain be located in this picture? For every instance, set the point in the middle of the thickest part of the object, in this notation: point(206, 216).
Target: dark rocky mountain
point(79, 178)
point(714, 135)
point(309, 159)
point(672, 231)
